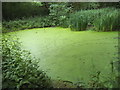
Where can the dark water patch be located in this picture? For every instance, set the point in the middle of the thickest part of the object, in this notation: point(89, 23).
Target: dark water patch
point(116, 38)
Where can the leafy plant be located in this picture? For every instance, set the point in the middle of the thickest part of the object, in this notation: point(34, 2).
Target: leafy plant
point(111, 81)
point(59, 13)
point(26, 23)
point(19, 68)
point(13, 10)
point(84, 5)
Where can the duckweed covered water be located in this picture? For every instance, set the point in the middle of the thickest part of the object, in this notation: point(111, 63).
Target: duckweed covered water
point(69, 55)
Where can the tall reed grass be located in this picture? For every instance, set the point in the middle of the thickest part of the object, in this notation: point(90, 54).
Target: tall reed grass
point(79, 21)
point(110, 21)
point(106, 19)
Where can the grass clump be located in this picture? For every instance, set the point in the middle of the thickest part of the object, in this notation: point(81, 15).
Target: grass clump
point(19, 69)
point(78, 21)
point(106, 19)
point(110, 21)
point(81, 20)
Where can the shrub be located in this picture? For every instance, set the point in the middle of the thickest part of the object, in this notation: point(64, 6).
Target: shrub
point(20, 69)
point(13, 10)
point(26, 23)
point(112, 80)
point(84, 5)
point(59, 13)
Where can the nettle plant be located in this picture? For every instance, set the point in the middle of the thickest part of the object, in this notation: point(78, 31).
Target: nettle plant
point(19, 68)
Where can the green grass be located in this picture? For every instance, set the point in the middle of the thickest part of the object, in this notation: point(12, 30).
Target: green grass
point(106, 19)
point(108, 22)
point(68, 55)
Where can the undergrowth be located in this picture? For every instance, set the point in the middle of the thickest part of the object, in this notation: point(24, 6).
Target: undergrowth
point(26, 23)
point(19, 68)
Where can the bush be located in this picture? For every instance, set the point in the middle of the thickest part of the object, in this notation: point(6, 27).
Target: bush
point(26, 23)
point(84, 5)
point(13, 10)
point(20, 70)
point(59, 13)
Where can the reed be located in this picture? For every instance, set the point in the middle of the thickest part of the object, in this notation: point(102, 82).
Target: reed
point(106, 19)
point(110, 21)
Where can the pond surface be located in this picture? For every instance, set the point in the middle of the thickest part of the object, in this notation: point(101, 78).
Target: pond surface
point(69, 55)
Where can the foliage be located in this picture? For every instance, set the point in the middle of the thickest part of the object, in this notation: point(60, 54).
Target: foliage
point(111, 81)
point(79, 21)
point(55, 18)
point(20, 70)
point(80, 25)
point(95, 81)
point(93, 5)
point(13, 10)
point(106, 19)
point(26, 23)
point(62, 14)
point(109, 4)
point(108, 22)
point(59, 13)
point(84, 5)
point(84, 18)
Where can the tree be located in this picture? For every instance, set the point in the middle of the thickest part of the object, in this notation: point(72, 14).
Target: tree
point(13, 10)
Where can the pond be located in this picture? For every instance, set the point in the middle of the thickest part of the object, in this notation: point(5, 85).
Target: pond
point(70, 55)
